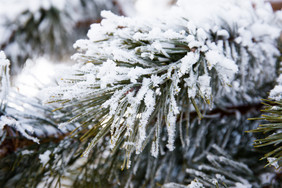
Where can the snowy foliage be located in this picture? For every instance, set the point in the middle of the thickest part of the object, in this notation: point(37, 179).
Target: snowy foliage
point(142, 87)
point(218, 175)
point(135, 75)
point(271, 126)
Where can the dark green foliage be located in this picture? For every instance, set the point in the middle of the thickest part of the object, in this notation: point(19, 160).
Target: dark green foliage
point(271, 127)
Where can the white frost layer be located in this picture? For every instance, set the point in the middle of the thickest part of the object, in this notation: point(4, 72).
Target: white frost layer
point(276, 92)
point(5, 79)
point(45, 157)
point(266, 178)
point(271, 160)
point(22, 128)
point(195, 184)
point(241, 185)
point(3, 60)
point(225, 67)
point(173, 185)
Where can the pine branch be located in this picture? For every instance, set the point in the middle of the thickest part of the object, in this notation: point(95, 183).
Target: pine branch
point(272, 124)
point(136, 75)
point(102, 166)
point(271, 128)
point(138, 92)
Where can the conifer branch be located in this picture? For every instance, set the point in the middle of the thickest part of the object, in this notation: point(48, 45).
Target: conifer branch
point(133, 73)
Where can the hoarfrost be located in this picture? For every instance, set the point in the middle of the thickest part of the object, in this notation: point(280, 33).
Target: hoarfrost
point(150, 106)
point(22, 128)
point(133, 61)
point(3, 60)
point(173, 185)
point(195, 184)
point(204, 82)
point(242, 185)
point(5, 79)
point(223, 33)
point(225, 67)
point(273, 161)
point(276, 92)
point(107, 73)
point(45, 157)
point(187, 62)
point(266, 178)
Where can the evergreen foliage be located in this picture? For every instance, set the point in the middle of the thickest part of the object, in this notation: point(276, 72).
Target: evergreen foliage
point(136, 78)
point(154, 102)
point(271, 126)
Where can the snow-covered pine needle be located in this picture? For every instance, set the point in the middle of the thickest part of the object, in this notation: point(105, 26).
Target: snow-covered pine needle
point(129, 66)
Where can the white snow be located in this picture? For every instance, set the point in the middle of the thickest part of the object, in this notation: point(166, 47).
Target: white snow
point(241, 185)
point(6, 121)
point(107, 73)
point(187, 62)
point(150, 102)
point(156, 80)
point(45, 157)
point(271, 160)
point(204, 82)
point(223, 33)
point(226, 67)
point(9, 9)
point(173, 185)
point(266, 178)
point(26, 152)
point(22, 128)
point(3, 60)
point(195, 184)
point(276, 92)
